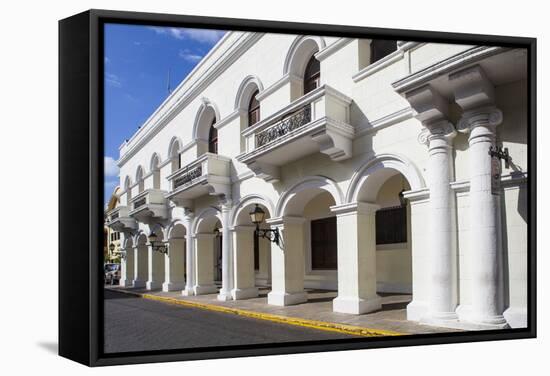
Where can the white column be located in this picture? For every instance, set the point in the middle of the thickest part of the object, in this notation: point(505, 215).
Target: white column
point(443, 259)
point(155, 268)
point(174, 265)
point(127, 268)
point(140, 266)
point(243, 263)
point(287, 262)
point(485, 250)
point(474, 93)
point(225, 292)
point(189, 256)
point(356, 258)
point(204, 264)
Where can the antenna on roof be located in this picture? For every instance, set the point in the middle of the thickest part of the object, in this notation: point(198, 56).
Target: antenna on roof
point(168, 83)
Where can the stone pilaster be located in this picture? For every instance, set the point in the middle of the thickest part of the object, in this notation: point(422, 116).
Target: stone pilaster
point(243, 263)
point(155, 268)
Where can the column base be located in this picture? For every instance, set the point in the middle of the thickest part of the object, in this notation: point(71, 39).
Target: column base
point(248, 293)
point(205, 289)
point(125, 283)
point(286, 298)
point(188, 291)
point(172, 286)
point(153, 285)
point(356, 306)
point(490, 322)
point(137, 283)
point(444, 319)
point(416, 310)
point(516, 317)
point(224, 296)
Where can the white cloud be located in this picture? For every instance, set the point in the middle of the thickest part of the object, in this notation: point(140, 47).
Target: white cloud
point(199, 35)
point(107, 60)
point(110, 168)
point(189, 56)
point(112, 80)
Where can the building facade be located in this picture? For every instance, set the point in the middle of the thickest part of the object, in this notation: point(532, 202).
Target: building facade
point(370, 157)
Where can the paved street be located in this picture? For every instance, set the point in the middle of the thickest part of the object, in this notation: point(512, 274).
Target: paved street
point(135, 324)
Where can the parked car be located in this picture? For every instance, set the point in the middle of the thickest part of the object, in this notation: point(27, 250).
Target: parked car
point(111, 274)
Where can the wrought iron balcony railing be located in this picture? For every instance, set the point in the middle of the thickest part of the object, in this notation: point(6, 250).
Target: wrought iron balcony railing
point(187, 177)
point(139, 203)
point(286, 125)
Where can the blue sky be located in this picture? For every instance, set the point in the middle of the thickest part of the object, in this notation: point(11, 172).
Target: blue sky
point(137, 60)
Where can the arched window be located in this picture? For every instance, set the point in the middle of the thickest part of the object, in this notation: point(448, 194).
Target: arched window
point(312, 75)
point(380, 48)
point(253, 110)
point(213, 139)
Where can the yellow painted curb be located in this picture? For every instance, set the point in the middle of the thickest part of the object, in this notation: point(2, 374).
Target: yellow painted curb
point(322, 325)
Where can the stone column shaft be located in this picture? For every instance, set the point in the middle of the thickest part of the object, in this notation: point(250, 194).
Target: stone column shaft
point(155, 269)
point(189, 257)
point(443, 291)
point(356, 258)
point(140, 266)
point(225, 292)
point(243, 263)
point(287, 262)
point(485, 250)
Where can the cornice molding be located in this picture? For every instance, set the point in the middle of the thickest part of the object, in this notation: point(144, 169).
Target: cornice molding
point(464, 58)
point(332, 48)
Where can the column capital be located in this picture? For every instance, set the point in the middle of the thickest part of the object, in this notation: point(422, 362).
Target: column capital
point(439, 130)
point(488, 116)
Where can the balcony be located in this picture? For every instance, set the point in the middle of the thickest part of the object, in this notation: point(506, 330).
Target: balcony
point(210, 174)
point(119, 219)
point(149, 204)
point(317, 122)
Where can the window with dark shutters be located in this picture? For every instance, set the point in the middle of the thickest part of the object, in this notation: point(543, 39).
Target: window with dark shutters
point(324, 244)
point(391, 225)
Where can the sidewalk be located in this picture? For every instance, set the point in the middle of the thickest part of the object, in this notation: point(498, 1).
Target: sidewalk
point(316, 313)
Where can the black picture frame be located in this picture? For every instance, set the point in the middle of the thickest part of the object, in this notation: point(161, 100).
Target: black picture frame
point(81, 170)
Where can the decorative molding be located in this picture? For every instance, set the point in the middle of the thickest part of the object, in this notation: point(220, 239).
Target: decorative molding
point(417, 195)
point(332, 48)
point(423, 76)
point(384, 122)
point(277, 85)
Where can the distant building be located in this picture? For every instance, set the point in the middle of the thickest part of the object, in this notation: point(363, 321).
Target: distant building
point(111, 236)
point(371, 159)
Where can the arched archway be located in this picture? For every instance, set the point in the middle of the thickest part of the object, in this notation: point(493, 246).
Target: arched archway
point(208, 251)
point(127, 262)
point(251, 254)
point(374, 225)
point(175, 259)
point(156, 260)
point(307, 255)
point(140, 260)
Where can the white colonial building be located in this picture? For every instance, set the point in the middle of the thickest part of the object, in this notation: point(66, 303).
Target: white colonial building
point(370, 157)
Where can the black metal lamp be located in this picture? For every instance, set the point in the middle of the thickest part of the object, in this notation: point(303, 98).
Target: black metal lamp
point(257, 216)
point(158, 246)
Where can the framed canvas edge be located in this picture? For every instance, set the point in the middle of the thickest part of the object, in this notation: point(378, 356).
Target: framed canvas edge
point(93, 317)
